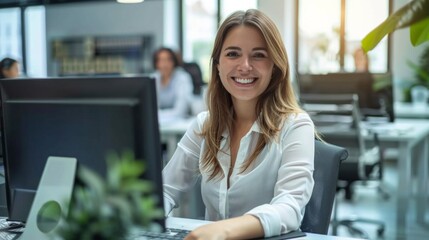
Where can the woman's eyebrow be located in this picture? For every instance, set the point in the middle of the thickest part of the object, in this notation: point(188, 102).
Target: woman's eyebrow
point(260, 48)
point(232, 48)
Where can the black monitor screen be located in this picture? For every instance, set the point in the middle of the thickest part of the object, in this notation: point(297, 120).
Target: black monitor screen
point(375, 91)
point(83, 118)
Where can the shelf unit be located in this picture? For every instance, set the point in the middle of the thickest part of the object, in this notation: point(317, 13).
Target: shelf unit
point(103, 55)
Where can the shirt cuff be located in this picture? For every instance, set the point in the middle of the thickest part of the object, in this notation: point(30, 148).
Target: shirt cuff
point(270, 221)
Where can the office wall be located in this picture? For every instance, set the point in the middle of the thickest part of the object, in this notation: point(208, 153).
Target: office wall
point(97, 19)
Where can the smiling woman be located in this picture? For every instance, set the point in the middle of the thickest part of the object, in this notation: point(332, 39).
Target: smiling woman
point(244, 66)
point(254, 128)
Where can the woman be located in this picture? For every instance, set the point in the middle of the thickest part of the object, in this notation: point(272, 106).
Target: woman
point(9, 68)
point(174, 85)
point(254, 148)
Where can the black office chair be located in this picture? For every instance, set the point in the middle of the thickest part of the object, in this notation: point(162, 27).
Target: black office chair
point(327, 160)
point(197, 77)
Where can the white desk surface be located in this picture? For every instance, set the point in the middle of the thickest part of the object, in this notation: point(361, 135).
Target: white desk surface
point(189, 224)
point(408, 110)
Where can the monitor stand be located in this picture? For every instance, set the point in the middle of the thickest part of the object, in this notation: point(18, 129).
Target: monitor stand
point(50, 203)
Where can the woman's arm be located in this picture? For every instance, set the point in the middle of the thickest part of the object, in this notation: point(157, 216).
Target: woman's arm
point(182, 171)
point(244, 227)
point(294, 183)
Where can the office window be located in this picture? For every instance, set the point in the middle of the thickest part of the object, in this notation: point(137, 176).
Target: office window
point(36, 41)
point(330, 31)
point(228, 6)
point(199, 30)
point(201, 19)
point(10, 33)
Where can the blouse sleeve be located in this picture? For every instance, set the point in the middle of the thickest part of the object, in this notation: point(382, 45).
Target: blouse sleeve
point(294, 183)
point(183, 89)
point(182, 171)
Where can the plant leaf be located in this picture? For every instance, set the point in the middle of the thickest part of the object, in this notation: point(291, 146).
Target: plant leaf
point(92, 180)
point(409, 14)
point(419, 32)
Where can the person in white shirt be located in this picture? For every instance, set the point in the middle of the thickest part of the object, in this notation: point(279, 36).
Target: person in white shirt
point(173, 84)
point(254, 147)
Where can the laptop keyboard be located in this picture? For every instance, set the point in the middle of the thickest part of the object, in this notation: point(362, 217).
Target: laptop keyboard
point(170, 233)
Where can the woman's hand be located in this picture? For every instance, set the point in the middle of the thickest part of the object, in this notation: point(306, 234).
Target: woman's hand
point(244, 227)
point(212, 231)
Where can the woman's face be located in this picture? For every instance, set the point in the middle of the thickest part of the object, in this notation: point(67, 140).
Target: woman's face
point(12, 72)
point(165, 63)
point(245, 68)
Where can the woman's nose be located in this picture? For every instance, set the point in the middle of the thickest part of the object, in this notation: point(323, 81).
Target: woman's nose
point(245, 65)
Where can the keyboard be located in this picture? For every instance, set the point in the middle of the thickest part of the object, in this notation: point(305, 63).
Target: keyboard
point(8, 233)
point(170, 233)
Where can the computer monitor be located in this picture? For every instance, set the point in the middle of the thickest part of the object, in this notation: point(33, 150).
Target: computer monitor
point(82, 118)
point(375, 90)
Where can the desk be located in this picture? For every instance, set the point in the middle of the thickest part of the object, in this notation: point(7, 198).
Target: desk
point(171, 132)
point(189, 224)
point(411, 138)
point(408, 110)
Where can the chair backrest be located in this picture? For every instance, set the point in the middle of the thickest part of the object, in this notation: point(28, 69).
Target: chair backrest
point(327, 159)
point(197, 77)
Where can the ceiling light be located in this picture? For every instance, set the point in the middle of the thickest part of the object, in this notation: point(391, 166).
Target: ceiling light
point(129, 1)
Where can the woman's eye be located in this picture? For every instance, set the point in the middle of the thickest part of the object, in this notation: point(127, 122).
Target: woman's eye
point(259, 55)
point(232, 54)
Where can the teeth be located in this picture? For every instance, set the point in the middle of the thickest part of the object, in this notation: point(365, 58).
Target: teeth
point(244, 80)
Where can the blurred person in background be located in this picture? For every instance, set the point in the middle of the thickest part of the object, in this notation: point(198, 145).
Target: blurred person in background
point(9, 68)
point(174, 85)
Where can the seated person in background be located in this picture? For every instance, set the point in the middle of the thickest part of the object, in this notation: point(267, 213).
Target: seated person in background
point(361, 60)
point(254, 147)
point(174, 85)
point(9, 68)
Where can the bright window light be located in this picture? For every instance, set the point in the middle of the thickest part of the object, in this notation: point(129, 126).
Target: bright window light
point(129, 1)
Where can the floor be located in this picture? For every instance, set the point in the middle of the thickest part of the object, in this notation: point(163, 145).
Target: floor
point(368, 203)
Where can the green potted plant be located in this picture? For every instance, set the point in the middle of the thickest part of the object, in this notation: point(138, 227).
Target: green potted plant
point(421, 74)
point(111, 207)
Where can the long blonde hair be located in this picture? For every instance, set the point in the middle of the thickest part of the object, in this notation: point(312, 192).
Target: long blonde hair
point(273, 106)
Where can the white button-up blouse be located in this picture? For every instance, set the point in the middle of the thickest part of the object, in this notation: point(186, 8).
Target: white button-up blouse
point(275, 188)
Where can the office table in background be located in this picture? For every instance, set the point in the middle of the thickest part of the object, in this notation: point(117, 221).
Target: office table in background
point(408, 110)
point(172, 131)
point(411, 138)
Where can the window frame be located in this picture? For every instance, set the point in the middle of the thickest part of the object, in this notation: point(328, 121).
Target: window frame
point(342, 43)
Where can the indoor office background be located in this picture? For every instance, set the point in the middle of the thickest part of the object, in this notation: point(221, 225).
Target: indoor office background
point(78, 38)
